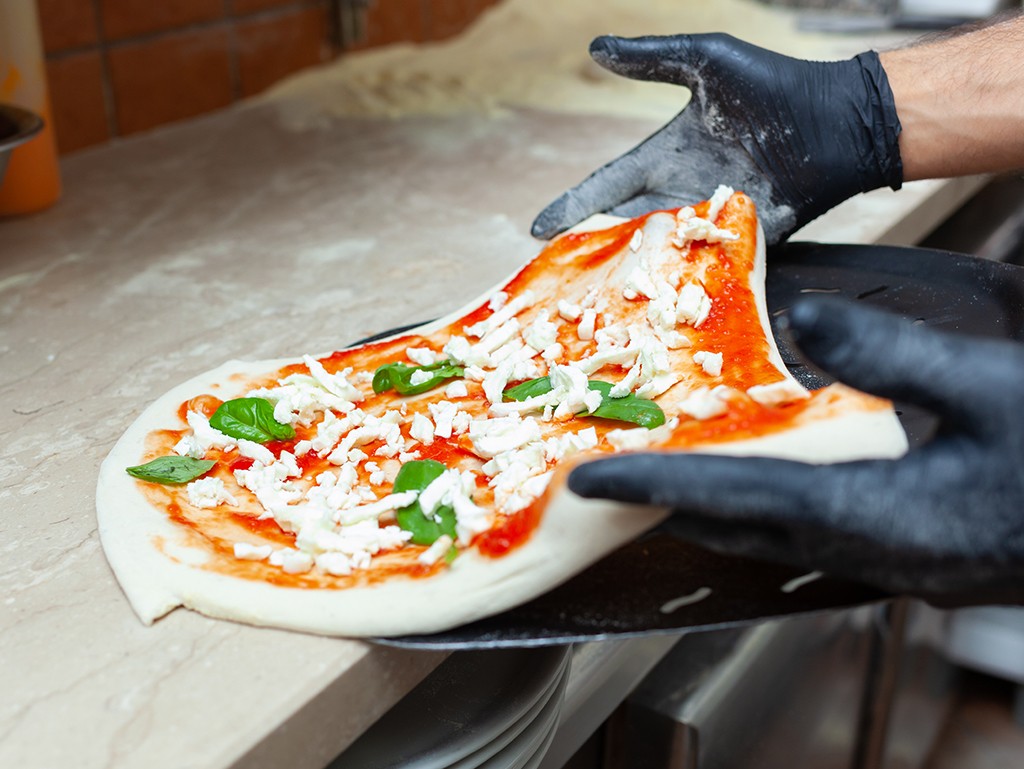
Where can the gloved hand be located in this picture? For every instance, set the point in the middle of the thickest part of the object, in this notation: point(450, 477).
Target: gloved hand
point(945, 522)
point(799, 137)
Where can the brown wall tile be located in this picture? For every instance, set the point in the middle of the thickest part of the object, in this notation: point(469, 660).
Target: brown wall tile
point(392, 21)
point(242, 7)
point(172, 77)
point(271, 48)
point(67, 24)
point(233, 47)
point(130, 18)
point(76, 93)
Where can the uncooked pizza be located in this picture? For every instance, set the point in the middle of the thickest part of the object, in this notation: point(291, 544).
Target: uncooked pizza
point(416, 483)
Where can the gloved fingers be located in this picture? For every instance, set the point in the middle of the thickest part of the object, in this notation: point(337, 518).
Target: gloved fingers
point(619, 180)
point(668, 59)
point(852, 520)
point(749, 489)
point(653, 201)
point(669, 169)
point(853, 498)
point(886, 355)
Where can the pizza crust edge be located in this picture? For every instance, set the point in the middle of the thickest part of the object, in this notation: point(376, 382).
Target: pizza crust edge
point(138, 538)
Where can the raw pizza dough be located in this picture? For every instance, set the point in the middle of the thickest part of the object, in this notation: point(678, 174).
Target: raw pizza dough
point(162, 566)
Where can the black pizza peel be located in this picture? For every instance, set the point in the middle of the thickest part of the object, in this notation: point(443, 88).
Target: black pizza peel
point(662, 584)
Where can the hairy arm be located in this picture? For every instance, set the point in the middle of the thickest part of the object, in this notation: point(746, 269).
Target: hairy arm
point(960, 101)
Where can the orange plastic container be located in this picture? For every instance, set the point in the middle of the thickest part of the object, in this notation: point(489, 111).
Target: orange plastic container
point(32, 181)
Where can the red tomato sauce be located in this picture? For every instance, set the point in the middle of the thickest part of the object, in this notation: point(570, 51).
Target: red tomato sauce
point(265, 528)
point(744, 420)
point(448, 452)
point(510, 531)
point(215, 532)
point(732, 327)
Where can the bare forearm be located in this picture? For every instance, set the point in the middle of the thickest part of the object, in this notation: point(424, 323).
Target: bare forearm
point(961, 102)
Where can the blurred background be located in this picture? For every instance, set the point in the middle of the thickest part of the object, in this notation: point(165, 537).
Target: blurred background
point(117, 67)
point(256, 178)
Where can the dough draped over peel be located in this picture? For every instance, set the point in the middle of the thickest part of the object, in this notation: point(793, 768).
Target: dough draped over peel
point(162, 564)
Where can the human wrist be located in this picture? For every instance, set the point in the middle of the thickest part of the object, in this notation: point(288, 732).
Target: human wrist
point(961, 102)
point(923, 115)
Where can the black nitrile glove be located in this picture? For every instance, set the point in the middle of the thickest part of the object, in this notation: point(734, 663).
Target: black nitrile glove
point(945, 522)
point(799, 137)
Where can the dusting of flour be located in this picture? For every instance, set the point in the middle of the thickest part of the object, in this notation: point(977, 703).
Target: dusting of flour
point(533, 54)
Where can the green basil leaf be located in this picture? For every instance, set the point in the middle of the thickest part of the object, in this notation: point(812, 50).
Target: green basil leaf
point(251, 419)
point(638, 411)
point(416, 476)
point(398, 376)
point(171, 470)
point(382, 377)
point(528, 389)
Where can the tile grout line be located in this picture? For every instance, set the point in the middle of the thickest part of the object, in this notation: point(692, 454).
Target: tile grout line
point(234, 74)
point(426, 20)
point(107, 86)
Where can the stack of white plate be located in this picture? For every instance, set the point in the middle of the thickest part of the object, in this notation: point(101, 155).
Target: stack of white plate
point(479, 710)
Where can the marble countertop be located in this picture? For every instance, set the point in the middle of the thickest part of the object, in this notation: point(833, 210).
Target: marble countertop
point(235, 236)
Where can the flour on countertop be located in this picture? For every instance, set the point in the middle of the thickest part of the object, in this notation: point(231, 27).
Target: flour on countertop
point(532, 54)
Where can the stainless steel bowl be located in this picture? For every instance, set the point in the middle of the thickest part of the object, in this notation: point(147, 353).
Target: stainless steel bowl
point(17, 126)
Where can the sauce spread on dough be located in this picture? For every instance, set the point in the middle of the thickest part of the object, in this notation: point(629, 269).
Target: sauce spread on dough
point(584, 267)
